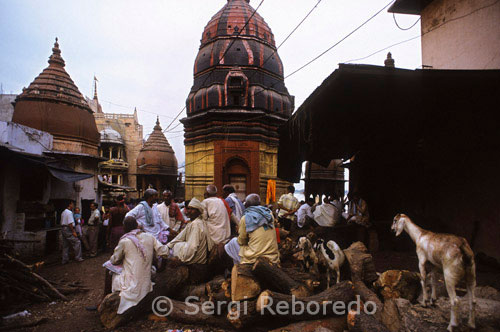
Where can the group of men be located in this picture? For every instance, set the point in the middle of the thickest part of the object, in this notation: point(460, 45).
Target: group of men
point(330, 213)
point(244, 232)
point(75, 232)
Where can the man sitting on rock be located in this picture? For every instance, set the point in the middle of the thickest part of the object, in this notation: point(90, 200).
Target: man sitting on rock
point(193, 244)
point(257, 235)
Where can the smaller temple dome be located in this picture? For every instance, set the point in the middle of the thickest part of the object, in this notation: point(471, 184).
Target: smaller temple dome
point(157, 156)
point(109, 135)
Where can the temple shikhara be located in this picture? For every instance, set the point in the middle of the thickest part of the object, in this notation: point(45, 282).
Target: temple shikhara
point(237, 102)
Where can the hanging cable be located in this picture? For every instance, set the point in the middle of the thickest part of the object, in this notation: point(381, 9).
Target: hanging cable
point(404, 29)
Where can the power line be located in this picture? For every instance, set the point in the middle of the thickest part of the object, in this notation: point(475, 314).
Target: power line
point(220, 59)
point(424, 33)
point(404, 29)
point(341, 40)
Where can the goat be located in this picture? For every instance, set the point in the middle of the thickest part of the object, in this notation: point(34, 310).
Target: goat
point(332, 257)
point(448, 252)
point(310, 259)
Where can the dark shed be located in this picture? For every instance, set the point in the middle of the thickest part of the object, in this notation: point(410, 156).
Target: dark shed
point(425, 142)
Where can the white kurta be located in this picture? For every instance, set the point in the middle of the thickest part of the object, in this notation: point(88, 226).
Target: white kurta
point(134, 283)
point(140, 215)
point(323, 215)
point(217, 219)
point(163, 209)
point(192, 245)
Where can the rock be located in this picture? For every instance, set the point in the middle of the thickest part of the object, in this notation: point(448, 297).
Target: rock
point(415, 318)
point(488, 292)
point(393, 284)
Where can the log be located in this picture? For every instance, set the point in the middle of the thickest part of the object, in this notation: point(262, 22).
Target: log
point(198, 291)
point(198, 314)
point(308, 279)
point(320, 305)
point(217, 285)
point(168, 283)
point(368, 295)
point(393, 284)
point(244, 286)
point(361, 263)
point(275, 279)
point(54, 292)
point(362, 322)
point(244, 315)
point(335, 324)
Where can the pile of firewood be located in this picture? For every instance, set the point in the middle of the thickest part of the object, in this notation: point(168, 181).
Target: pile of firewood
point(20, 285)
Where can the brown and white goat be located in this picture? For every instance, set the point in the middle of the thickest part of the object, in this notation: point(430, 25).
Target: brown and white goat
point(310, 259)
point(448, 252)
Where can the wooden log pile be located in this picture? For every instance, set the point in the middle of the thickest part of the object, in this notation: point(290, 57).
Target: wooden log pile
point(21, 285)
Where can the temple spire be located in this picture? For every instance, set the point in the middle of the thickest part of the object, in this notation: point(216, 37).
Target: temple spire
point(56, 58)
point(157, 127)
point(95, 87)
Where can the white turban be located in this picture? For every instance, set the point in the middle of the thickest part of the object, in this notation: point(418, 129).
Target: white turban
point(196, 204)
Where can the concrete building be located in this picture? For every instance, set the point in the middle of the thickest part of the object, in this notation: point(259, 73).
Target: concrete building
point(6, 107)
point(237, 102)
point(457, 34)
point(29, 181)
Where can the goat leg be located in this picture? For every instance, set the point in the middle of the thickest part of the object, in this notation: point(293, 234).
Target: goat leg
point(433, 287)
point(450, 287)
point(423, 277)
point(337, 270)
point(471, 288)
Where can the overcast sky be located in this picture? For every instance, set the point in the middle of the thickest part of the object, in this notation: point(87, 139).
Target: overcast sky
point(143, 52)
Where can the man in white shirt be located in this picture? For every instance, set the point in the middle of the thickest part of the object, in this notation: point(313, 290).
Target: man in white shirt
point(148, 217)
point(193, 244)
point(135, 252)
point(170, 212)
point(324, 214)
point(69, 236)
point(217, 216)
point(304, 214)
point(93, 228)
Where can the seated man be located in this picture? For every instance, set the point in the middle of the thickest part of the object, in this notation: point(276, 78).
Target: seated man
point(357, 211)
point(257, 235)
point(170, 212)
point(135, 252)
point(305, 217)
point(147, 215)
point(193, 244)
point(324, 214)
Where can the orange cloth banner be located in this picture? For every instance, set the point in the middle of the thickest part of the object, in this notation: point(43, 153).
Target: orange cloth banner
point(271, 191)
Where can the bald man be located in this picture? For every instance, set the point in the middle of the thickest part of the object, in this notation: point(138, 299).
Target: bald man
point(217, 216)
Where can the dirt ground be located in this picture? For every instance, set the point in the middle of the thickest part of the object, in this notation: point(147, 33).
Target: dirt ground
point(73, 317)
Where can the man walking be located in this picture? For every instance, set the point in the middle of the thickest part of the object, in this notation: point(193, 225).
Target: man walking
point(69, 236)
point(93, 229)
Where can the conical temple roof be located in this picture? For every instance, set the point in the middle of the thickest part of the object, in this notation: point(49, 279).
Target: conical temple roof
point(157, 156)
point(54, 83)
point(53, 103)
